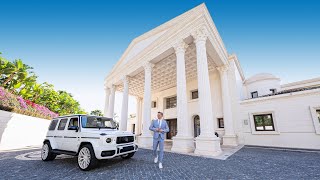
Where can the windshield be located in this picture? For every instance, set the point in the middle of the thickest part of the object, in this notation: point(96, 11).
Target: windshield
point(97, 122)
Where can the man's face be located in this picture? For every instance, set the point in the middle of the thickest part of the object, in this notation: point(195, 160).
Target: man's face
point(159, 115)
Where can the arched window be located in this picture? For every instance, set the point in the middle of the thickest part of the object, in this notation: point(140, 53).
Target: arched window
point(196, 121)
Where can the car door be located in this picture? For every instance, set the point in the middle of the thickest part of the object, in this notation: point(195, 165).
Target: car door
point(60, 133)
point(71, 136)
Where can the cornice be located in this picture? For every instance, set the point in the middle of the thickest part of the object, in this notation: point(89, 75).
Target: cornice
point(281, 96)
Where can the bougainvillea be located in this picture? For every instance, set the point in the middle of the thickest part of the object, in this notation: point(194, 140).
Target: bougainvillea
point(12, 103)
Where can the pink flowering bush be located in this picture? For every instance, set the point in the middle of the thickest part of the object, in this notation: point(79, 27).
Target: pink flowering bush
point(12, 103)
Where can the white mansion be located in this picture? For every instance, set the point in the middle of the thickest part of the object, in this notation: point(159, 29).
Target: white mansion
point(183, 69)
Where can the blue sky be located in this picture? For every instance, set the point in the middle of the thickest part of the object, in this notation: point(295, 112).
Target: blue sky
point(73, 44)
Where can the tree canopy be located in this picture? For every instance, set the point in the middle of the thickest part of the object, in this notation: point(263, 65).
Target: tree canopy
point(19, 79)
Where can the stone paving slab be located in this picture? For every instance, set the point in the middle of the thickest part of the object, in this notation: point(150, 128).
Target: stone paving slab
point(247, 163)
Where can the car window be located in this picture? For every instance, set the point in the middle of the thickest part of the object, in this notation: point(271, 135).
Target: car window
point(62, 124)
point(53, 124)
point(73, 122)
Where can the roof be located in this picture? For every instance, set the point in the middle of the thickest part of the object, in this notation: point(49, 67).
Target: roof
point(261, 77)
point(288, 91)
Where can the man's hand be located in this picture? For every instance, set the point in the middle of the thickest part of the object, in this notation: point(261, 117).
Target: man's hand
point(159, 130)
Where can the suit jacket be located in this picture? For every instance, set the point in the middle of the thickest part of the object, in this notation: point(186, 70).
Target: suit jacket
point(154, 125)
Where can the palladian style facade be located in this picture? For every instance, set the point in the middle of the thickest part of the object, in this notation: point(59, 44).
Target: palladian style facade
point(183, 69)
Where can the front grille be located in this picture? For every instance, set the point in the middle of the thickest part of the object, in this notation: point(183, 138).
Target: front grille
point(126, 149)
point(125, 139)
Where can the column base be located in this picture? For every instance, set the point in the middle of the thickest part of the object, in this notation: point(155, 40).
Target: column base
point(182, 144)
point(145, 141)
point(230, 140)
point(208, 146)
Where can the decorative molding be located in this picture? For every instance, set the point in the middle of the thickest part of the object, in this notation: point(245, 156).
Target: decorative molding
point(223, 68)
point(148, 67)
point(180, 46)
point(200, 35)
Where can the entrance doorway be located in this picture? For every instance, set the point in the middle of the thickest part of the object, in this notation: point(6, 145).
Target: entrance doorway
point(196, 122)
point(172, 123)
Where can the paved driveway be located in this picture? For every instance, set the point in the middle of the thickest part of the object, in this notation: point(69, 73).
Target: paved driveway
point(247, 163)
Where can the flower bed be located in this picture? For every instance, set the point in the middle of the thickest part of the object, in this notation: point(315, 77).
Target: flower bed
point(13, 103)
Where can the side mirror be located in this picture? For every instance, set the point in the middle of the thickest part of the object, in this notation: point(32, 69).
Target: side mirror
point(74, 128)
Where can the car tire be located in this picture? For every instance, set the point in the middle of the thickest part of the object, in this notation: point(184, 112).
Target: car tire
point(127, 156)
point(46, 152)
point(86, 158)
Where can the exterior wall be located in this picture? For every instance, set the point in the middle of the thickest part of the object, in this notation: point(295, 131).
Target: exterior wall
point(263, 87)
point(292, 114)
point(193, 108)
point(19, 131)
point(301, 84)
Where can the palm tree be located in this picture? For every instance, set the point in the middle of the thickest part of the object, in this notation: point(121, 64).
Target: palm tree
point(16, 70)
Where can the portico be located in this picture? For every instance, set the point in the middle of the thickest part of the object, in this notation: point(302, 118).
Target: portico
point(181, 56)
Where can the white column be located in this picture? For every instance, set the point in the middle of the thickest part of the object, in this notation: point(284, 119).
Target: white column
point(183, 141)
point(207, 143)
point(229, 137)
point(138, 117)
point(124, 109)
point(106, 102)
point(145, 139)
point(111, 102)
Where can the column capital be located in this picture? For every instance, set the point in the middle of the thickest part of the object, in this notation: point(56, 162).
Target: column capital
point(180, 46)
point(148, 66)
point(138, 98)
point(125, 79)
point(223, 68)
point(107, 90)
point(200, 34)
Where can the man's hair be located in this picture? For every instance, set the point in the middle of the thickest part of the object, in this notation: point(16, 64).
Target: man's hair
point(161, 113)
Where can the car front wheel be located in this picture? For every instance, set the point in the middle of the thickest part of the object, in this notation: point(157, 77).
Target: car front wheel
point(86, 158)
point(127, 156)
point(46, 152)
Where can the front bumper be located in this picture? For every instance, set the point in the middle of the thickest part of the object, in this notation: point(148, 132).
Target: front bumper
point(117, 150)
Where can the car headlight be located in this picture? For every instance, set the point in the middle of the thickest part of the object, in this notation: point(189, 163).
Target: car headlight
point(108, 140)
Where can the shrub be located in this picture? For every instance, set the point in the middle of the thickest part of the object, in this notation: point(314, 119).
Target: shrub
point(13, 103)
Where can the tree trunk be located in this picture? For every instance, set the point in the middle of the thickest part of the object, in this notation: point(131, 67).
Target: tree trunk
point(9, 79)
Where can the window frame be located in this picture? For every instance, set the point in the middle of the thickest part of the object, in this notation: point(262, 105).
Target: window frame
point(57, 122)
point(153, 104)
point(219, 123)
point(315, 119)
point(64, 125)
point(274, 118)
point(69, 121)
point(254, 93)
point(166, 104)
point(191, 95)
point(264, 126)
point(273, 90)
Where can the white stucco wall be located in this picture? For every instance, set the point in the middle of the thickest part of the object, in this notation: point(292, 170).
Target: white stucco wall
point(193, 108)
point(295, 127)
point(19, 131)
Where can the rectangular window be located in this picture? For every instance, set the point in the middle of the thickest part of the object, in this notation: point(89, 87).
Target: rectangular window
point(153, 104)
point(194, 94)
point(74, 122)
point(318, 114)
point(273, 91)
point(171, 102)
point(263, 122)
point(220, 123)
point(254, 94)
point(53, 124)
point(62, 124)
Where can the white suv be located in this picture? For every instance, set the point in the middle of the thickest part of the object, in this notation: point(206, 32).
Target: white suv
point(89, 137)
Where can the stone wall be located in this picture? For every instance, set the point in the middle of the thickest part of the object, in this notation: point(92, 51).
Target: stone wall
point(20, 131)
